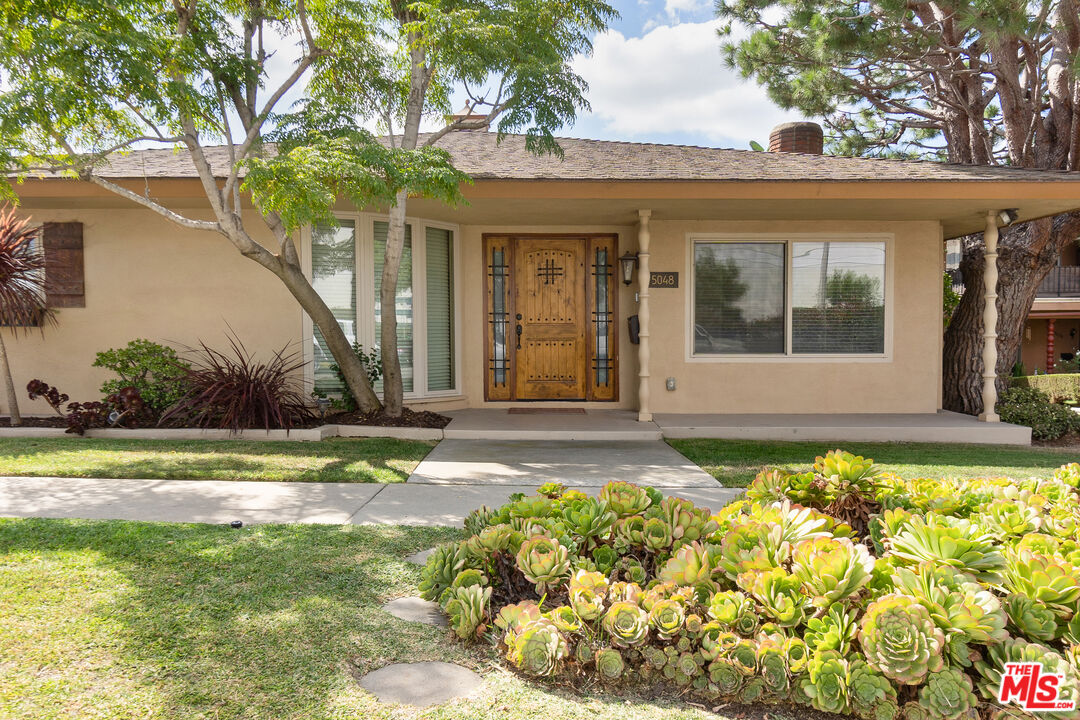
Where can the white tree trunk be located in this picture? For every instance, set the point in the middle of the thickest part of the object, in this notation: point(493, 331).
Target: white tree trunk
point(9, 385)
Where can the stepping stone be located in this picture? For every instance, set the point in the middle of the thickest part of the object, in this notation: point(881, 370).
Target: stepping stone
point(421, 684)
point(416, 609)
point(420, 558)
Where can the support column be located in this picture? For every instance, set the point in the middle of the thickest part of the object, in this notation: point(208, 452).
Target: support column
point(644, 414)
point(1050, 354)
point(990, 319)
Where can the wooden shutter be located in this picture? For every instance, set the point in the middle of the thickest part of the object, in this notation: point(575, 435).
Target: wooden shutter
point(63, 244)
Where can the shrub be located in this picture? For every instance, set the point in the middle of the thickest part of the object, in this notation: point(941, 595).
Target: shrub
point(1059, 387)
point(154, 370)
point(121, 408)
point(1032, 407)
point(237, 392)
point(770, 601)
point(371, 361)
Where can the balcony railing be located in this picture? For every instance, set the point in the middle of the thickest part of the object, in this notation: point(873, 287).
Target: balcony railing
point(1062, 281)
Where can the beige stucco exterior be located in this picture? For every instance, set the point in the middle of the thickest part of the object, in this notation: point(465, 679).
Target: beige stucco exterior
point(146, 277)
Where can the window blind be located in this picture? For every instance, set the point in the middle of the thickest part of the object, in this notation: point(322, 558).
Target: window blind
point(333, 276)
point(404, 300)
point(838, 297)
point(738, 298)
point(439, 256)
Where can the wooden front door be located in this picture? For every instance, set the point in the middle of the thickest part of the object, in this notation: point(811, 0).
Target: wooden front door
point(550, 317)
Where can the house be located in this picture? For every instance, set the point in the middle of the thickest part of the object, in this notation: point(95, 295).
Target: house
point(1053, 324)
point(757, 284)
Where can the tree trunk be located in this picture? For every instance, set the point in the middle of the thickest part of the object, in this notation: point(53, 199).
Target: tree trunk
point(9, 385)
point(323, 318)
point(1025, 255)
point(393, 387)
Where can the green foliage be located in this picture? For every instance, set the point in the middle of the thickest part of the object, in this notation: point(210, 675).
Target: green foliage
point(1032, 407)
point(372, 363)
point(950, 299)
point(154, 370)
point(1059, 387)
point(773, 602)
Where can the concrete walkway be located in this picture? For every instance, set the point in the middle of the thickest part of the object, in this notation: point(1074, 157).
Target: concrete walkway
point(222, 501)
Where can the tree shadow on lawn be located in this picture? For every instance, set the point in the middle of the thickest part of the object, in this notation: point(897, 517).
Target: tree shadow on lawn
point(325, 461)
point(263, 622)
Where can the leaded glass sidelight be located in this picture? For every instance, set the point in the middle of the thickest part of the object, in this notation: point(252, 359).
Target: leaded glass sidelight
point(602, 285)
point(498, 326)
point(601, 317)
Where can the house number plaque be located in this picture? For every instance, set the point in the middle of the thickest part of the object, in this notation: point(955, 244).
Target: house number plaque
point(664, 280)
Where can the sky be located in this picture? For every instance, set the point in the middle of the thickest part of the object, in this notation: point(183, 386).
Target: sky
point(658, 75)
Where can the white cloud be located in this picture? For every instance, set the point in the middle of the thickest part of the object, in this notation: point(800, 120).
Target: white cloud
point(673, 81)
point(674, 7)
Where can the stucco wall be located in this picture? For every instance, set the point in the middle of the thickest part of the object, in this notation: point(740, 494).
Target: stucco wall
point(907, 381)
point(146, 277)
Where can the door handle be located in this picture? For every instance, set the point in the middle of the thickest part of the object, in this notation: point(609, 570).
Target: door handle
point(518, 330)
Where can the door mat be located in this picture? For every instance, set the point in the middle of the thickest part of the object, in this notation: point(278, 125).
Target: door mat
point(545, 411)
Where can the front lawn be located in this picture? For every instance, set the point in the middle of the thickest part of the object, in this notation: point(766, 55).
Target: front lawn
point(735, 462)
point(380, 460)
point(137, 620)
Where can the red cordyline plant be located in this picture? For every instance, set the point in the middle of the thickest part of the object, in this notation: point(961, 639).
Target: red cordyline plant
point(236, 392)
point(22, 292)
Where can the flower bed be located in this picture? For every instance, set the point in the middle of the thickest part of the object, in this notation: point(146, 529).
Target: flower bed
point(842, 588)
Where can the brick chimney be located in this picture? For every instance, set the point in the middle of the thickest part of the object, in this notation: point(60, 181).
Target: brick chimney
point(797, 137)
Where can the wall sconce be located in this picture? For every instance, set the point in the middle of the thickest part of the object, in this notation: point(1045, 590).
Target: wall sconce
point(1008, 216)
point(628, 262)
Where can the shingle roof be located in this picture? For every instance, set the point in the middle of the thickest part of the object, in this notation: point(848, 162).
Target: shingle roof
point(481, 156)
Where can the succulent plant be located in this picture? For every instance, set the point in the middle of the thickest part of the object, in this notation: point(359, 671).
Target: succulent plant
point(752, 691)
point(587, 591)
point(605, 557)
point(831, 569)
point(589, 518)
point(743, 549)
point(715, 641)
point(442, 566)
point(624, 591)
point(666, 618)
point(915, 710)
point(543, 561)
point(539, 648)
point(626, 623)
point(725, 677)
point(838, 465)
point(656, 535)
point(688, 567)
point(869, 689)
point(779, 594)
point(1007, 518)
point(687, 522)
point(948, 694)
point(583, 652)
point(629, 533)
point(1046, 579)
point(744, 654)
point(1072, 630)
point(511, 618)
point(478, 519)
point(1017, 650)
point(609, 664)
point(467, 610)
point(951, 541)
point(1031, 619)
point(833, 631)
point(493, 539)
point(773, 667)
point(900, 640)
point(535, 506)
point(1069, 475)
point(630, 569)
point(625, 499)
point(956, 602)
point(825, 683)
point(797, 654)
point(564, 618)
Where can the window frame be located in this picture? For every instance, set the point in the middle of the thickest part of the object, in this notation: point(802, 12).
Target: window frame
point(789, 240)
point(365, 294)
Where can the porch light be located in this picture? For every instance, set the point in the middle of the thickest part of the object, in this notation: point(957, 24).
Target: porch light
point(628, 262)
point(1008, 216)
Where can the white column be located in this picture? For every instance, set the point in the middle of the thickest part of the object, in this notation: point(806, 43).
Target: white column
point(644, 415)
point(990, 319)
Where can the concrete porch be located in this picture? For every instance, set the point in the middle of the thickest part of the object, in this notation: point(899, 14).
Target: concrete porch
point(617, 425)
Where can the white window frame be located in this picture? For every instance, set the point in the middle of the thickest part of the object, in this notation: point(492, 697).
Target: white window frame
point(365, 298)
point(789, 240)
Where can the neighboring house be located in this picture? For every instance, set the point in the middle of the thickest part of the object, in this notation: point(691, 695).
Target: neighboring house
point(1052, 331)
point(781, 282)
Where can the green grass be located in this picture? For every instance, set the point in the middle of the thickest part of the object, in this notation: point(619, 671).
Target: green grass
point(110, 619)
point(735, 462)
point(380, 460)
